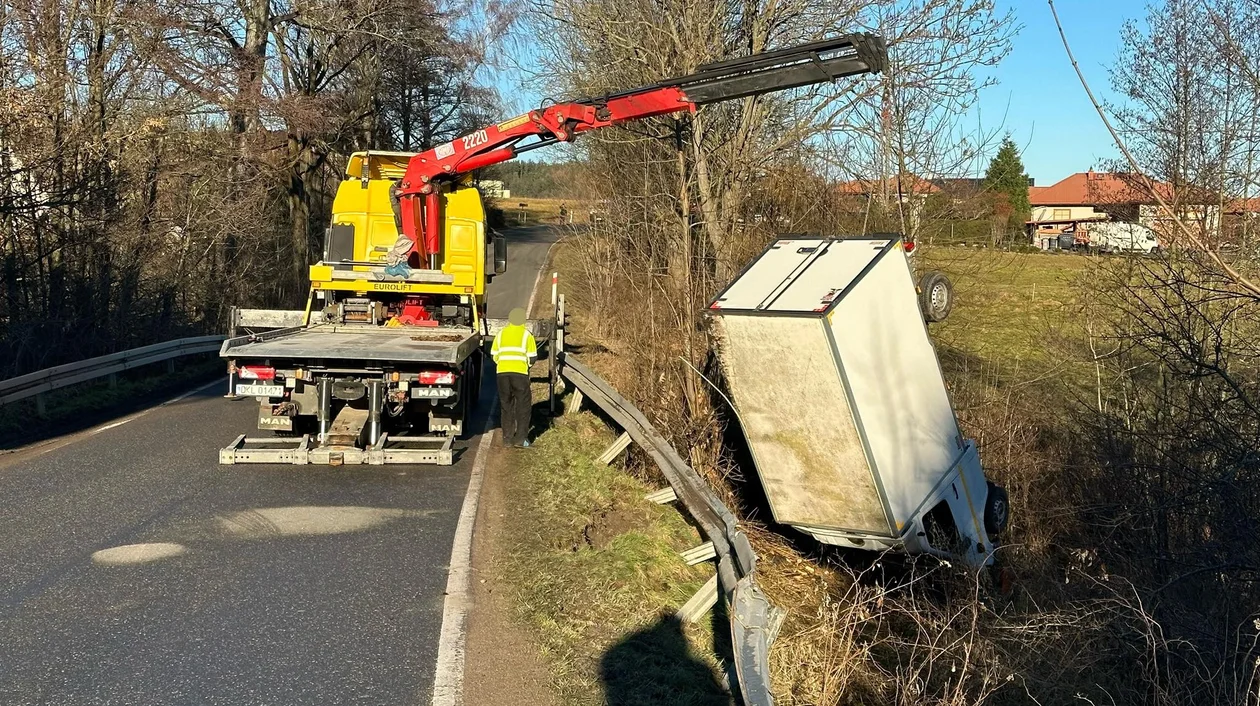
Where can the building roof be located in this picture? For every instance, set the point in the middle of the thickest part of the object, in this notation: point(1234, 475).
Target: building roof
point(1093, 188)
point(1243, 206)
point(907, 184)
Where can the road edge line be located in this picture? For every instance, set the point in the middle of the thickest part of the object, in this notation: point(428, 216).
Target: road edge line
point(542, 271)
point(448, 678)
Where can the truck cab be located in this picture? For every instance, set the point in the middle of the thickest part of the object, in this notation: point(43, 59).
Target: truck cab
point(364, 237)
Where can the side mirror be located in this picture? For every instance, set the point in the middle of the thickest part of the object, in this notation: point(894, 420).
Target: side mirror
point(500, 253)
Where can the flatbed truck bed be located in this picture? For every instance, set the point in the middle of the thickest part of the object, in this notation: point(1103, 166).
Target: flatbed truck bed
point(331, 342)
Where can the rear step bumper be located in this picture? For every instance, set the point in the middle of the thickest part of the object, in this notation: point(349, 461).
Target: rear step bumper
point(431, 450)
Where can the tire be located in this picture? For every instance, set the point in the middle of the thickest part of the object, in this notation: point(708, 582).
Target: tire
point(997, 510)
point(936, 297)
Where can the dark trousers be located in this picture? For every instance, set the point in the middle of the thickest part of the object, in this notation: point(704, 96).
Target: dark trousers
point(515, 406)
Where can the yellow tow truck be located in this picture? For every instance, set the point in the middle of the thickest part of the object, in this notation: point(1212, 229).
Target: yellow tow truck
point(384, 364)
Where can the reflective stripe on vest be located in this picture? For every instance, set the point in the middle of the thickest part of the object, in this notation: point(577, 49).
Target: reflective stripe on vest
point(515, 356)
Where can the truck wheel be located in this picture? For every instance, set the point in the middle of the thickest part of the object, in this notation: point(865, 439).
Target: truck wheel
point(997, 510)
point(936, 296)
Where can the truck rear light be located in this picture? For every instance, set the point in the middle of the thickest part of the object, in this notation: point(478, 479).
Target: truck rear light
point(256, 372)
point(436, 377)
point(909, 246)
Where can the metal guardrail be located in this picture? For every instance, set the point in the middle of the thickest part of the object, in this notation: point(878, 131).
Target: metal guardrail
point(754, 621)
point(48, 379)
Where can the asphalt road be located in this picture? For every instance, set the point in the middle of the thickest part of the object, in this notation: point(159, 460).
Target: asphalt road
point(135, 570)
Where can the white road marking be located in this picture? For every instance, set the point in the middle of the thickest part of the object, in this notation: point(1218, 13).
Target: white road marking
point(542, 270)
point(448, 681)
point(107, 427)
point(192, 392)
point(141, 413)
point(42, 447)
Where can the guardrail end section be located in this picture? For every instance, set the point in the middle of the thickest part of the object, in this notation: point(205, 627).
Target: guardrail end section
point(754, 625)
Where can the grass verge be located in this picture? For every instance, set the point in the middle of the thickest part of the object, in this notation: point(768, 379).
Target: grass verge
point(596, 574)
point(1009, 305)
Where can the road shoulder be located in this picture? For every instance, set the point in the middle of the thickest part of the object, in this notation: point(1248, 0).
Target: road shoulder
point(503, 665)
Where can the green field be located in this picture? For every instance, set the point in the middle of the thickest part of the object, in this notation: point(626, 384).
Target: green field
point(1022, 312)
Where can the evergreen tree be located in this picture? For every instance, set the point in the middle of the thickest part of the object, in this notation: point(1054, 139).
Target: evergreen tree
point(1007, 182)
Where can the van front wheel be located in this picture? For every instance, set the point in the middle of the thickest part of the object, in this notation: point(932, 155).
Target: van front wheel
point(997, 510)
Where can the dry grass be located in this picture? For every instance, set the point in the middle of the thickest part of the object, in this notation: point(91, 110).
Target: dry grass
point(539, 210)
point(596, 573)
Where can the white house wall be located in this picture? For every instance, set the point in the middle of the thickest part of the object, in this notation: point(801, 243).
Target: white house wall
point(1041, 214)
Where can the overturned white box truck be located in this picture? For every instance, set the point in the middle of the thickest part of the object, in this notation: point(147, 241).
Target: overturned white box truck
point(843, 404)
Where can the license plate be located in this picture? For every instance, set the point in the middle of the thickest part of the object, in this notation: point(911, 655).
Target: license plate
point(260, 390)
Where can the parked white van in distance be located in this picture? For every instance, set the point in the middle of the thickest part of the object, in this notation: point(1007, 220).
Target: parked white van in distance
point(1122, 237)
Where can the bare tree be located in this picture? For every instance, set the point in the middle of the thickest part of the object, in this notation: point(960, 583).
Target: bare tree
point(162, 162)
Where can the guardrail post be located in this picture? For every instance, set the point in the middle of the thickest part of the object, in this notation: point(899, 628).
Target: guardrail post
point(41, 405)
point(170, 366)
point(113, 381)
point(575, 402)
point(552, 373)
point(614, 450)
point(700, 603)
point(560, 326)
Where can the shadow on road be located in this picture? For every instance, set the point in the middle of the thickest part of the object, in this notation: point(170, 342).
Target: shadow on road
point(656, 666)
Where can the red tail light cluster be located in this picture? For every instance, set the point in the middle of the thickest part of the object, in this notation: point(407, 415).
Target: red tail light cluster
point(436, 377)
point(256, 372)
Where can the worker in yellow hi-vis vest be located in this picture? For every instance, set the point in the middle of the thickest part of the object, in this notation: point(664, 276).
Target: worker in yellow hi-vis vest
point(513, 351)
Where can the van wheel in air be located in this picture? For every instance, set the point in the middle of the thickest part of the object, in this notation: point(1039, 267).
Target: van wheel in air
point(936, 296)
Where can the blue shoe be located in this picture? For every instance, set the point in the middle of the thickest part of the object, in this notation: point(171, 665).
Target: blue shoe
point(523, 444)
point(399, 270)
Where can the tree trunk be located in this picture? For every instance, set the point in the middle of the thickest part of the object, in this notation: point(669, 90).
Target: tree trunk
point(299, 201)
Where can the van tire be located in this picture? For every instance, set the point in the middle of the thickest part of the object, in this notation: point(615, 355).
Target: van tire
point(936, 296)
point(997, 510)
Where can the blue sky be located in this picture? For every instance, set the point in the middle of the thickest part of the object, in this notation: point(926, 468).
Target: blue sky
point(1039, 99)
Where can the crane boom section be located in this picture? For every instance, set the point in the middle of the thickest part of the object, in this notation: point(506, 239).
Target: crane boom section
point(783, 69)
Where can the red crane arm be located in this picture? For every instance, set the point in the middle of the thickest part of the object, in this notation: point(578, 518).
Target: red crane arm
point(794, 67)
point(492, 144)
